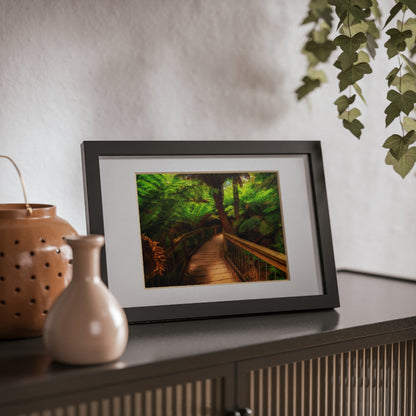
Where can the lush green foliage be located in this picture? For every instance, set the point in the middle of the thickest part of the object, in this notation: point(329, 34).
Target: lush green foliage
point(164, 214)
point(260, 219)
point(171, 205)
point(358, 29)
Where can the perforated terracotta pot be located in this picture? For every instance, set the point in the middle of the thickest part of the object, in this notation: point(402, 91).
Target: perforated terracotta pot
point(35, 264)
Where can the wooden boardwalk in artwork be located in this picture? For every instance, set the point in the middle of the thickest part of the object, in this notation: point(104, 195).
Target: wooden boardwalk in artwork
point(208, 265)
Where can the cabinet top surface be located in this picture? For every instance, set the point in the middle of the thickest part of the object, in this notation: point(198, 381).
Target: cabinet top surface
point(369, 306)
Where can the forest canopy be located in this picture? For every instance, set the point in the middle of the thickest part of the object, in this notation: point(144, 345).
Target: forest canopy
point(173, 204)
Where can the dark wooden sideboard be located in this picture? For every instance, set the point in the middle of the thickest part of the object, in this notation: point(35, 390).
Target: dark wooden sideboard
point(359, 359)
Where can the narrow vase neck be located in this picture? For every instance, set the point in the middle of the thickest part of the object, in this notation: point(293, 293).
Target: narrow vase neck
point(86, 255)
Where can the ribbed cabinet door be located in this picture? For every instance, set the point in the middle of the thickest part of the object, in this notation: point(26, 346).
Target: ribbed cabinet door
point(204, 392)
point(374, 381)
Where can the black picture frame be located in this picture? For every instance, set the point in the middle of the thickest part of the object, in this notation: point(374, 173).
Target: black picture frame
point(94, 151)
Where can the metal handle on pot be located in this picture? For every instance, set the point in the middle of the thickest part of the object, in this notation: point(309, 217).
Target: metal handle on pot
point(28, 207)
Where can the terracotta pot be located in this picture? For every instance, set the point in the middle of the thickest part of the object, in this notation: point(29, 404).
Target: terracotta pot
point(86, 325)
point(35, 266)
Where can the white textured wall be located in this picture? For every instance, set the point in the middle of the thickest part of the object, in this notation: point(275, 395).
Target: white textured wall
point(72, 70)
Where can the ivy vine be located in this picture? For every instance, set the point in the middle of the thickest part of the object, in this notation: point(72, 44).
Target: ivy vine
point(358, 29)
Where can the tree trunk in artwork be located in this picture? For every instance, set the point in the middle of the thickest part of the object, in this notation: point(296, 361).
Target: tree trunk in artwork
point(219, 203)
point(236, 198)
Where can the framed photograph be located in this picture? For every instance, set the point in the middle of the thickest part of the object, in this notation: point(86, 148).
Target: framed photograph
point(199, 229)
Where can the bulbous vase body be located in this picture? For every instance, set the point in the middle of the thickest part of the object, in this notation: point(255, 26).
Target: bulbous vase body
point(86, 324)
point(35, 267)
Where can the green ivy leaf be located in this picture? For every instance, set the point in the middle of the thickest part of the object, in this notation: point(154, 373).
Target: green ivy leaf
point(318, 9)
point(345, 60)
point(342, 17)
point(375, 10)
point(405, 83)
point(320, 36)
point(350, 115)
point(397, 41)
point(359, 92)
point(327, 17)
point(390, 160)
point(308, 86)
point(364, 4)
point(409, 63)
point(322, 51)
point(312, 59)
point(392, 75)
point(393, 12)
point(373, 28)
point(406, 162)
point(344, 102)
point(310, 18)
point(358, 8)
point(358, 13)
point(371, 45)
point(394, 144)
point(411, 4)
point(410, 137)
point(354, 127)
point(353, 74)
point(409, 124)
point(363, 57)
point(399, 102)
point(404, 102)
point(317, 74)
point(350, 45)
point(391, 112)
point(356, 27)
point(410, 24)
point(398, 145)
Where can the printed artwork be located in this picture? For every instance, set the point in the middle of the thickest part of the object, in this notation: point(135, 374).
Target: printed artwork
point(211, 228)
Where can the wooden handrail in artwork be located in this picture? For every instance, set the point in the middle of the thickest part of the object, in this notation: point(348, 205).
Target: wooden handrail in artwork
point(183, 237)
point(276, 259)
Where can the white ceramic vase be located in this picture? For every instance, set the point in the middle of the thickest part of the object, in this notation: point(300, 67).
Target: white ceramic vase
point(86, 324)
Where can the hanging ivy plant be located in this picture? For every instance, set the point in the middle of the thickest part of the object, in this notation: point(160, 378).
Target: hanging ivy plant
point(357, 31)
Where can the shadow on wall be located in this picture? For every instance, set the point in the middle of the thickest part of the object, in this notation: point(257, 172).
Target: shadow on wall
point(144, 69)
point(188, 70)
